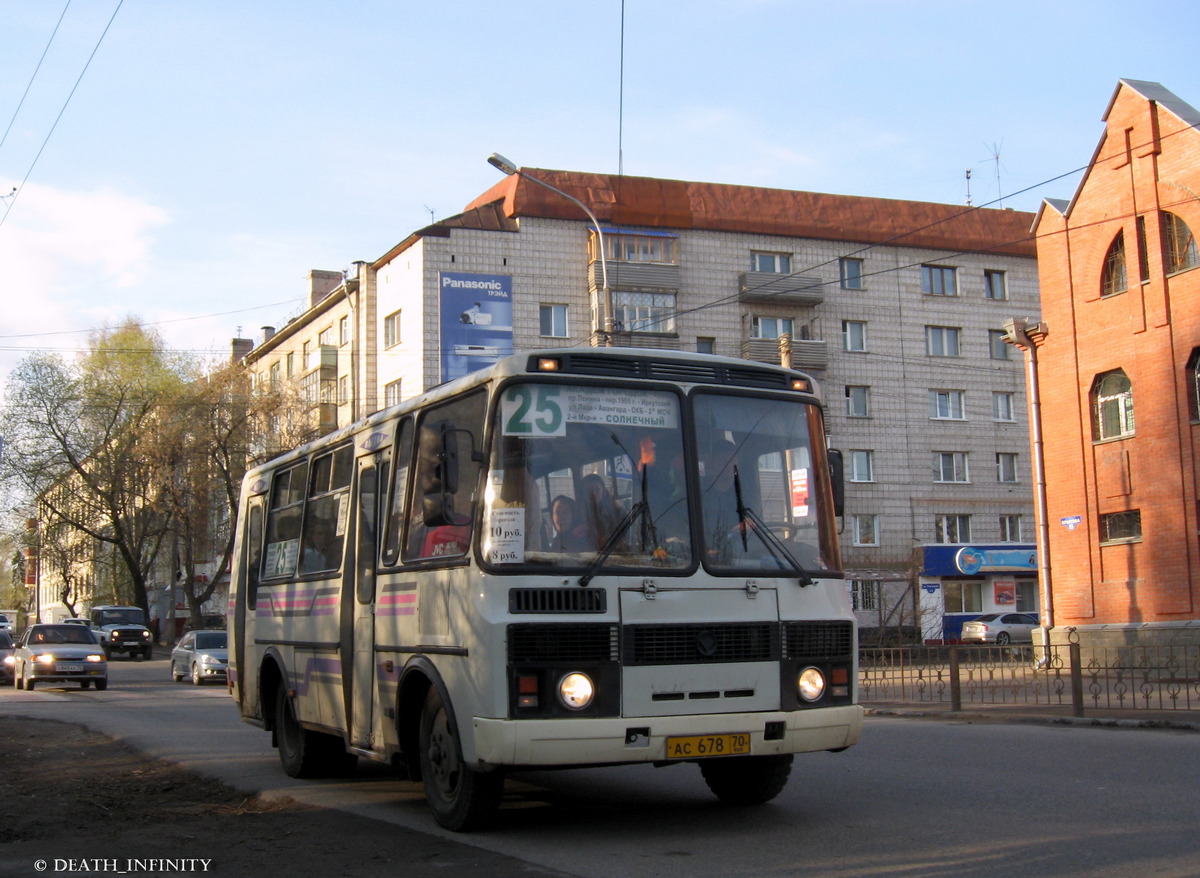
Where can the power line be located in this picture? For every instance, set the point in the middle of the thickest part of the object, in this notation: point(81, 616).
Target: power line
point(38, 67)
point(57, 118)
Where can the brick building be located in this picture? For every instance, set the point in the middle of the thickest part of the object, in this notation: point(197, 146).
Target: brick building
point(896, 307)
point(1120, 378)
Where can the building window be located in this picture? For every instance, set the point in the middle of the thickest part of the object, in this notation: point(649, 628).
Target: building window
point(946, 405)
point(864, 593)
point(304, 367)
point(644, 312)
point(1112, 406)
point(1002, 406)
point(851, 271)
point(391, 330)
point(1027, 596)
point(952, 529)
point(291, 370)
point(862, 466)
point(633, 247)
point(771, 327)
point(391, 393)
point(1010, 528)
point(858, 401)
point(777, 263)
point(1121, 527)
point(854, 335)
point(344, 331)
point(997, 347)
point(343, 390)
point(941, 341)
point(1112, 278)
point(995, 285)
point(274, 385)
point(1193, 384)
point(938, 280)
point(1179, 244)
point(962, 597)
point(950, 466)
point(866, 530)
point(325, 336)
point(1006, 466)
point(553, 321)
point(706, 345)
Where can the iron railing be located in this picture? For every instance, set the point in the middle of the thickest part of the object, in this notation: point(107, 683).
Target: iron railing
point(1062, 675)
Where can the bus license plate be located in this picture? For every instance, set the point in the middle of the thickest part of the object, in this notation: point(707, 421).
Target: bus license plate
point(694, 746)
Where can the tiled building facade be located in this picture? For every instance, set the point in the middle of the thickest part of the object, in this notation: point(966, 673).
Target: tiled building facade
point(896, 307)
point(1120, 378)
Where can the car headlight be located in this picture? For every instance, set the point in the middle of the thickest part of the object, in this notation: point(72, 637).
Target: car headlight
point(9, 660)
point(576, 691)
point(45, 658)
point(811, 684)
point(96, 658)
point(209, 660)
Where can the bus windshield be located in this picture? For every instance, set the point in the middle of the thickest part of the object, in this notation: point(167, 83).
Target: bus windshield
point(598, 476)
point(577, 471)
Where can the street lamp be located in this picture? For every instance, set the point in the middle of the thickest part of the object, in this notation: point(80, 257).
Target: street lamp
point(508, 168)
point(1026, 336)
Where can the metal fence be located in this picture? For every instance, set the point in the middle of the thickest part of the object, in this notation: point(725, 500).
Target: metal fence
point(1062, 675)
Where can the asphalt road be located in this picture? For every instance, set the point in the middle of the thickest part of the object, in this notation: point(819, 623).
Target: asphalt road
point(917, 797)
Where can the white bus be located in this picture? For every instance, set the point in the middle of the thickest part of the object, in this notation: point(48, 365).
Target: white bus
point(578, 557)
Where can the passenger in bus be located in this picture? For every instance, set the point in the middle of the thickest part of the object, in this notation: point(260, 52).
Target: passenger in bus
point(568, 534)
point(600, 513)
point(321, 547)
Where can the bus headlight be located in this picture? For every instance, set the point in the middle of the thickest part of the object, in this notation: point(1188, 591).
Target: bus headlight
point(811, 684)
point(576, 691)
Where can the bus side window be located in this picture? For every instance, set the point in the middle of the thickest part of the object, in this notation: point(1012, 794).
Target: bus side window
point(327, 511)
point(283, 522)
point(449, 458)
point(395, 508)
point(253, 537)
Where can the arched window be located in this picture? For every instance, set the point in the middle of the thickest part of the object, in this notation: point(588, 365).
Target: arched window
point(1112, 278)
point(1179, 244)
point(1112, 406)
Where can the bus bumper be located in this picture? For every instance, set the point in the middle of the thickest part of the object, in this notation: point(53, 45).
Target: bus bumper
point(617, 740)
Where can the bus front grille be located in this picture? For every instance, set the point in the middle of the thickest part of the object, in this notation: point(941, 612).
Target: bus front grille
point(818, 640)
point(701, 644)
point(562, 643)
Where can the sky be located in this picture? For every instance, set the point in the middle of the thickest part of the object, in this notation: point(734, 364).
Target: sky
point(188, 163)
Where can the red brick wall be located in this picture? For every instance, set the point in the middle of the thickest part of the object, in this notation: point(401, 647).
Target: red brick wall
point(1148, 160)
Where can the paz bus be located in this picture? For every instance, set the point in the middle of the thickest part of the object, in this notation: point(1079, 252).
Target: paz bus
point(572, 557)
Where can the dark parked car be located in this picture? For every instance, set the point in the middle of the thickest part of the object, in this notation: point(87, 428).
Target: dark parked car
point(59, 654)
point(7, 647)
point(201, 655)
point(1000, 628)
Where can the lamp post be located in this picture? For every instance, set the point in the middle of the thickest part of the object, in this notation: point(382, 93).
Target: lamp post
point(1026, 336)
point(507, 167)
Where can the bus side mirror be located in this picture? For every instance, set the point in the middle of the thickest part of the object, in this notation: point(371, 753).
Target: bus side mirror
point(441, 467)
point(837, 479)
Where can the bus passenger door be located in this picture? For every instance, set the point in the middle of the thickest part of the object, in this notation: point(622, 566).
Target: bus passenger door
point(364, 683)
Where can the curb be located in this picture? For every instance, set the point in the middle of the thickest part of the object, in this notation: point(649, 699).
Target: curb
point(1157, 722)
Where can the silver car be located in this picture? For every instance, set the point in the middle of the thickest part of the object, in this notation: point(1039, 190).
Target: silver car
point(200, 655)
point(59, 654)
point(1000, 628)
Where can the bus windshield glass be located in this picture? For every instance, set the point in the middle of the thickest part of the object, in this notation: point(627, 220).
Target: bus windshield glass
point(581, 472)
point(758, 509)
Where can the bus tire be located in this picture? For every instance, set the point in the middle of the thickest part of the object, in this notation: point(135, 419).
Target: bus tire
point(461, 798)
point(305, 753)
point(747, 780)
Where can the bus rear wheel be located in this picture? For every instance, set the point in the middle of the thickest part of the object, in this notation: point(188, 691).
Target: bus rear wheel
point(461, 798)
point(747, 780)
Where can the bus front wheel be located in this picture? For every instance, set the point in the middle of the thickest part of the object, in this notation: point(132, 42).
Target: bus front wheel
point(460, 797)
point(747, 780)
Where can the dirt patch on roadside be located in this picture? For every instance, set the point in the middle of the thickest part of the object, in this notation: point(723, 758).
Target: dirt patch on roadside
point(70, 797)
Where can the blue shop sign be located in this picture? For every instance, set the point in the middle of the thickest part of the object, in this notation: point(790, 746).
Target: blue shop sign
point(976, 560)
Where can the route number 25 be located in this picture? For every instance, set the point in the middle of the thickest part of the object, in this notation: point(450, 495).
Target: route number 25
point(532, 410)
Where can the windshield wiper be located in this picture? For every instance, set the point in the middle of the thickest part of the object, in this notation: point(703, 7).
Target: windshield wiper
point(748, 519)
point(639, 510)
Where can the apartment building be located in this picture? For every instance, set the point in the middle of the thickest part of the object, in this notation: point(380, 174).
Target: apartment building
point(896, 307)
point(1120, 378)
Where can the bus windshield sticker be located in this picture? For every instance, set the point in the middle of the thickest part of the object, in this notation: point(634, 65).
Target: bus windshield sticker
point(281, 558)
point(543, 410)
point(800, 493)
point(506, 535)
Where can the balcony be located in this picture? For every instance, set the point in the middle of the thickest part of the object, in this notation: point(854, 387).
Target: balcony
point(635, 276)
point(770, 288)
point(807, 353)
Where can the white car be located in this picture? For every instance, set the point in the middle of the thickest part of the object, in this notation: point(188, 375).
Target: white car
point(1000, 628)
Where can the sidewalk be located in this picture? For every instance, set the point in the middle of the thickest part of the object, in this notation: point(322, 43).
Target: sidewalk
point(1178, 720)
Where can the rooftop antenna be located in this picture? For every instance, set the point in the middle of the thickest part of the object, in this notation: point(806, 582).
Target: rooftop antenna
point(432, 218)
point(968, 187)
point(995, 157)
